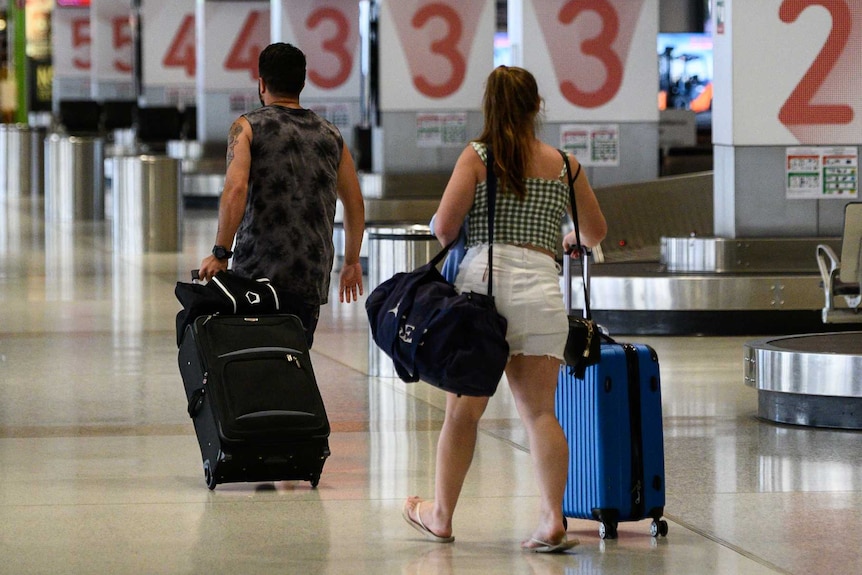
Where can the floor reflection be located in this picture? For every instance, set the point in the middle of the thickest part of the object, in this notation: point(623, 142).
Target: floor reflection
point(101, 472)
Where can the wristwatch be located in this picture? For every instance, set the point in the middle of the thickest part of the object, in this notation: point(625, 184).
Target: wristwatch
point(222, 253)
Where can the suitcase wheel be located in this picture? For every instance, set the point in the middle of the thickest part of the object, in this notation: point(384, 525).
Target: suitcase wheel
point(209, 476)
point(315, 480)
point(607, 530)
point(658, 528)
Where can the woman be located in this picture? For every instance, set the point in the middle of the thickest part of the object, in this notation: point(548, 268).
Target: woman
point(532, 197)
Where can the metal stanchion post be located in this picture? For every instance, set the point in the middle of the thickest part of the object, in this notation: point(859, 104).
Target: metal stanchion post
point(147, 204)
point(74, 178)
point(391, 250)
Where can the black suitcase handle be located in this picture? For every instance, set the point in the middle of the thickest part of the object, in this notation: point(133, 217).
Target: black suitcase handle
point(196, 401)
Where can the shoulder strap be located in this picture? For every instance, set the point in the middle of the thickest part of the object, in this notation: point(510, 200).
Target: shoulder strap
point(491, 180)
point(582, 252)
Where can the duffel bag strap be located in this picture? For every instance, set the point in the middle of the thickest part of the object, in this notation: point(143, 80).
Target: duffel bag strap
point(491, 180)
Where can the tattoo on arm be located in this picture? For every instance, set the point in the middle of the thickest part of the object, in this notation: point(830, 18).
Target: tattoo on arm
point(235, 131)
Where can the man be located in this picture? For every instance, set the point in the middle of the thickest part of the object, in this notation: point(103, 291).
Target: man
point(285, 168)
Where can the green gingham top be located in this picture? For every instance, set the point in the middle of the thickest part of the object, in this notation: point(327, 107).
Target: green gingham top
point(534, 220)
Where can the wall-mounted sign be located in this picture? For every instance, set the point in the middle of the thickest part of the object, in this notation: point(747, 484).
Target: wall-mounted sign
point(594, 60)
point(435, 54)
point(328, 34)
point(822, 173)
point(592, 144)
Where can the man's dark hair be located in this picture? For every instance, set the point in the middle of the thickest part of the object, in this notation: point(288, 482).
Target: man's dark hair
point(282, 67)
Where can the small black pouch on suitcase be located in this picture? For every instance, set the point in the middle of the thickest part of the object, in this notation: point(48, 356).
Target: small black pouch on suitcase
point(583, 346)
point(227, 294)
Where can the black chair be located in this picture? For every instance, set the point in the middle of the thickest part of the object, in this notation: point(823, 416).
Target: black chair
point(157, 125)
point(118, 114)
point(81, 117)
point(842, 277)
point(190, 123)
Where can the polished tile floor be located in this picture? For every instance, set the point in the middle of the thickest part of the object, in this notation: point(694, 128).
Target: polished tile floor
point(100, 470)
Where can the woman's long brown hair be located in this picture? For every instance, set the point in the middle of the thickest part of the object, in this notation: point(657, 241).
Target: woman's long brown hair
point(511, 104)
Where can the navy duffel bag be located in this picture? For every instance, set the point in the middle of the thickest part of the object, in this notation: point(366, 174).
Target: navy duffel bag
point(456, 342)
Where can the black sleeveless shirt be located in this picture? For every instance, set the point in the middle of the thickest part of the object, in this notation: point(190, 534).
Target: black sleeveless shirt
point(286, 231)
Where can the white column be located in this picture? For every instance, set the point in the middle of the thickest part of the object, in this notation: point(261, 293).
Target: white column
point(231, 35)
point(434, 58)
point(111, 50)
point(786, 76)
point(328, 34)
point(597, 70)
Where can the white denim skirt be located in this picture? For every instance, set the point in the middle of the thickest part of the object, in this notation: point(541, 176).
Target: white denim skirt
point(527, 293)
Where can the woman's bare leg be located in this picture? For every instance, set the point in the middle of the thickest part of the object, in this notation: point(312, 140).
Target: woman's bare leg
point(533, 381)
point(455, 448)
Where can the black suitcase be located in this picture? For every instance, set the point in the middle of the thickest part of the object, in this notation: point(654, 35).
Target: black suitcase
point(254, 400)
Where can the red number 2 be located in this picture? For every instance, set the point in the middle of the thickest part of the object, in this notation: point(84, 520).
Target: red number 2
point(598, 47)
point(446, 47)
point(335, 45)
point(798, 108)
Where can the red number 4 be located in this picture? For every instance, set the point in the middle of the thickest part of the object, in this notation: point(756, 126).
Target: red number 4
point(245, 51)
point(181, 53)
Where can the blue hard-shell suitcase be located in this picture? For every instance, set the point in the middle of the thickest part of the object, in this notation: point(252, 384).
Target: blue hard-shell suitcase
point(613, 423)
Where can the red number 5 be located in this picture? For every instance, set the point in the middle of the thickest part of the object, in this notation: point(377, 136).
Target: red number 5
point(81, 43)
point(122, 39)
point(798, 108)
point(598, 47)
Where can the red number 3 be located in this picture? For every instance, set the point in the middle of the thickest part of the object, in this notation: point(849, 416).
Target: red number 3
point(798, 108)
point(446, 47)
point(336, 45)
point(598, 47)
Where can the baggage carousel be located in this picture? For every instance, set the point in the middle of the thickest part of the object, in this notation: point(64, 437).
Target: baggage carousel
point(712, 286)
point(809, 379)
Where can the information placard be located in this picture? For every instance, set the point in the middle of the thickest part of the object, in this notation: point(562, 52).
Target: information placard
point(439, 130)
point(592, 144)
point(822, 173)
